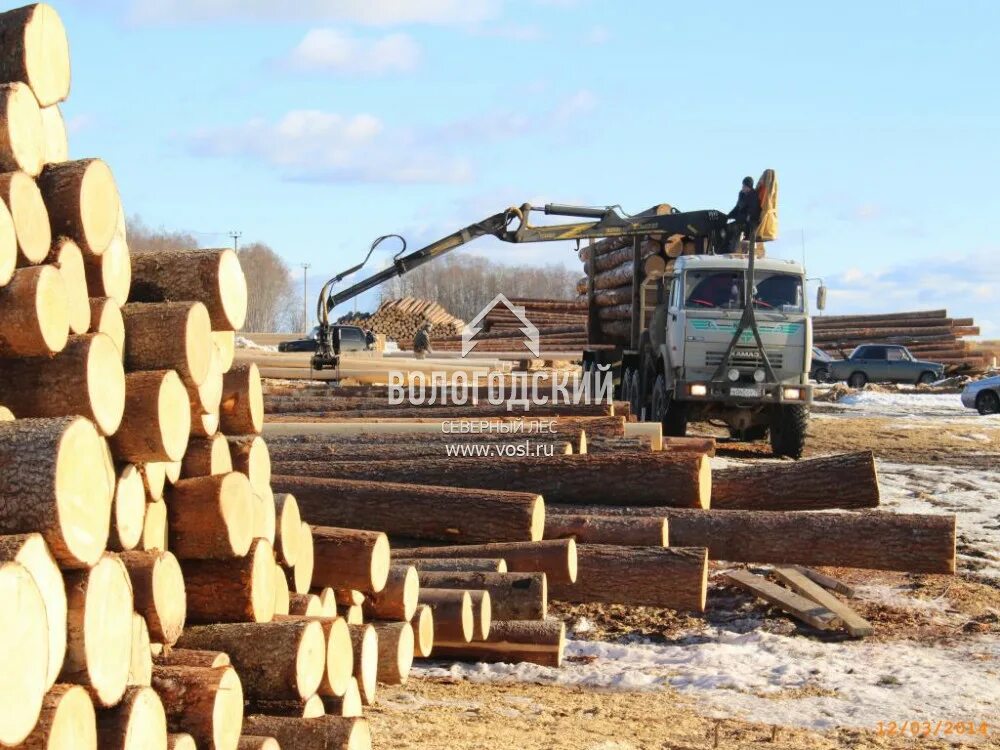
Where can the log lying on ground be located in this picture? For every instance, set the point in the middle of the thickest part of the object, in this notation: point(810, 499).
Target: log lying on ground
point(621, 530)
point(241, 411)
point(482, 613)
point(168, 335)
point(158, 589)
point(414, 451)
point(237, 590)
point(36, 52)
point(514, 596)
point(211, 516)
point(83, 202)
point(364, 644)
point(22, 140)
point(156, 422)
point(536, 641)
point(206, 703)
point(68, 497)
point(453, 616)
point(349, 558)
point(67, 721)
point(288, 527)
point(24, 647)
point(398, 599)
point(322, 733)
point(660, 577)
point(848, 480)
point(138, 722)
point(682, 480)
point(417, 510)
point(34, 313)
point(85, 378)
point(22, 197)
point(554, 557)
point(99, 629)
point(284, 659)
point(206, 456)
point(211, 276)
point(457, 565)
point(31, 553)
point(395, 651)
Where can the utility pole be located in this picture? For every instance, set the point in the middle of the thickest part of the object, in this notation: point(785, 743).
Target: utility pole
point(236, 234)
point(305, 298)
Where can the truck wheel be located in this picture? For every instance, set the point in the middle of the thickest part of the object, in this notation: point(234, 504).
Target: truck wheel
point(823, 375)
point(750, 434)
point(788, 430)
point(987, 402)
point(926, 378)
point(857, 380)
point(671, 413)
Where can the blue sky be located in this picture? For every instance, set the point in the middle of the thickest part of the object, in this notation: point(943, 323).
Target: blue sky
point(317, 129)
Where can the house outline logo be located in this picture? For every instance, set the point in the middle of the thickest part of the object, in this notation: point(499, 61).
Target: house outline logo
point(474, 326)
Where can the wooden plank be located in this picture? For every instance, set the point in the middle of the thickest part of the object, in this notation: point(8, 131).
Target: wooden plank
point(799, 607)
point(827, 582)
point(853, 623)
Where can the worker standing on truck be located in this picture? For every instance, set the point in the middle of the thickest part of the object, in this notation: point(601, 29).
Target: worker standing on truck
point(745, 215)
point(422, 341)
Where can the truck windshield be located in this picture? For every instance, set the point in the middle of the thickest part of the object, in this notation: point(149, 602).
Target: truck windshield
point(724, 289)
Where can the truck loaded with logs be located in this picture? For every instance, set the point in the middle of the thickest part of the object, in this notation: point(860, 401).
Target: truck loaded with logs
point(690, 327)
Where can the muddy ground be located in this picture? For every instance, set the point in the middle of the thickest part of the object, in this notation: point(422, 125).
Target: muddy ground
point(455, 713)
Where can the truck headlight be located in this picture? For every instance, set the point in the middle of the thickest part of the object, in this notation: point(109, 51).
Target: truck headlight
point(699, 389)
point(792, 394)
point(733, 374)
point(759, 375)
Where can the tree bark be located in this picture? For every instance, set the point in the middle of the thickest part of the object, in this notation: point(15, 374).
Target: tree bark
point(25, 637)
point(210, 276)
point(138, 722)
point(307, 708)
point(203, 702)
point(67, 721)
point(21, 195)
point(323, 733)
point(255, 742)
point(188, 657)
point(457, 565)
point(211, 517)
point(241, 411)
point(395, 651)
point(169, 335)
point(157, 422)
point(34, 313)
point(514, 596)
point(675, 577)
point(848, 480)
point(348, 705)
point(236, 590)
point(593, 529)
point(22, 140)
point(158, 588)
point(349, 558)
point(36, 52)
point(417, 510)
point(554, 557)
point(83, 202)
point(304, 605)
point(398, 600)
point(512, 641)
point(453, 616)
point(206, 456)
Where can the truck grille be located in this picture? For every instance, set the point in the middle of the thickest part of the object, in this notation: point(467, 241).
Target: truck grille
point(743, 357)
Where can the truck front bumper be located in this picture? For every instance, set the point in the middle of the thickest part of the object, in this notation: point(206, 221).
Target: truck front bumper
point(744, 394)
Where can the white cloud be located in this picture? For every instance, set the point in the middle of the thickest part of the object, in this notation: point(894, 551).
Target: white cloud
point(310, 145)
point(332, 50)
point(504, 125)
point(367, 12)
point(597, 35)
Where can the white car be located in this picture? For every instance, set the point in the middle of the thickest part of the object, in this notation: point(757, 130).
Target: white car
point(983, 395)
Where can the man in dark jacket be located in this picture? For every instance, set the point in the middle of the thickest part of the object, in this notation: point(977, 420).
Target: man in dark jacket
point(745, 214)
point(422, 341)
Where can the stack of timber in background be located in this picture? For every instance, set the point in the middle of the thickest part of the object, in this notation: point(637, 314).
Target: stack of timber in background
point(928, 334)
point(400, 319)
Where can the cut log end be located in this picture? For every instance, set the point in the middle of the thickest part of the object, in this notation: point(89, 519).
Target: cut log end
point(137, 723)
point(423, 630)
point(339, 658)
point(24, 651)
point(29, 216)
point(23, 137)
point(68, 721)
point(39, 52)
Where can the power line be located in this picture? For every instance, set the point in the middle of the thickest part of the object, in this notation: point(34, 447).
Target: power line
point(236, 234)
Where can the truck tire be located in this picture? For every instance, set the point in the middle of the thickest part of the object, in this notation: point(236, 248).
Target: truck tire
point(926, 378)
point(857, 380)
point(671, 413)
point(987, 402)
point(750, 434)
point(788, 430)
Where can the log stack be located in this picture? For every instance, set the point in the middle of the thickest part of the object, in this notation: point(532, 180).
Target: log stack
point(400, 319)
point(561, 324)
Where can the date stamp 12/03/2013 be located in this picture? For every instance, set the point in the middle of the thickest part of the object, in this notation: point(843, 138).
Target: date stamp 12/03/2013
point(938, 728)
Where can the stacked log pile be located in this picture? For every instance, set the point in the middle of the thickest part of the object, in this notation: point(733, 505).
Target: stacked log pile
point(399, 319)
point(928, 334)
point(561, 324)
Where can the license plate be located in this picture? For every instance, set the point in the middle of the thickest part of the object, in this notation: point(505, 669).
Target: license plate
point(745, 392)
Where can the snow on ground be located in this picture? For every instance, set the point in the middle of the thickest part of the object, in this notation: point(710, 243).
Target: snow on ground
point(904, 406)
point(242, 342)
point(778, 679)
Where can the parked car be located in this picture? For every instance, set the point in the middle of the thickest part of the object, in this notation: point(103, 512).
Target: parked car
point(352, 339)
point(983, 395)
point(819, 370)
point(884, 363)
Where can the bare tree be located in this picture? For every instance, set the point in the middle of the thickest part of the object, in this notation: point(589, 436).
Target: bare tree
point(272, 303)
point(143, 239)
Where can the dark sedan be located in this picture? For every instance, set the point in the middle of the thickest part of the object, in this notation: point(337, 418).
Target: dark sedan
point(884, 363)
point(352, 339)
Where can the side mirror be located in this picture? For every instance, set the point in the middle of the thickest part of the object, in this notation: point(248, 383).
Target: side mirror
point(821, 298)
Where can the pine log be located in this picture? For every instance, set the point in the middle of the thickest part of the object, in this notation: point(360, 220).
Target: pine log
point(540, 642)
point(158, 587)
point(85, 378)
point(242, 407)
point(106, 318)
point(349, 704)
point(22, 197)
point(183, 741)
point(302, 572)
point(154, 478)
point(398, 599)
point(676, 577)
point(339, 654)
point(350, 558)
point(34, 313)
point(138, 722)
point(99, 629)
point(156, 423)
point(36, 52)
point(205, 703)
point(848, 480)
point(453, 615)
point(554, 557)
point(482, 613)
point(393, 446)
point(211, 517)
point(322, 733)
point(225, 341)
point(349, 597)
point(264, 520)
point(187, 657)
point(206, 456)
point(515, 596)
point(250, 456)
point(593, 529)
point(67, 257)
point(306, 708)
point(395, 652)
point(83, 202)
point(169, 335)
point(140, 669)
point(288, 527)
point(67, 721)
point(420, 511)
point(207, 397)
point(236, 590)
point(22, 140)
point(154, 527)
point(284, 659)
point(204, 425)
point(211, 276)
point(54, 478)
point(328, 602)
point(282, 594)
point(420, 451)
point(110, 273)
point(24, 650)
point(304, 605)
point(255, 742)
point(423, 630)
point(56, 141)
point(364, 643)
point(8, 245)
point(453, 565)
